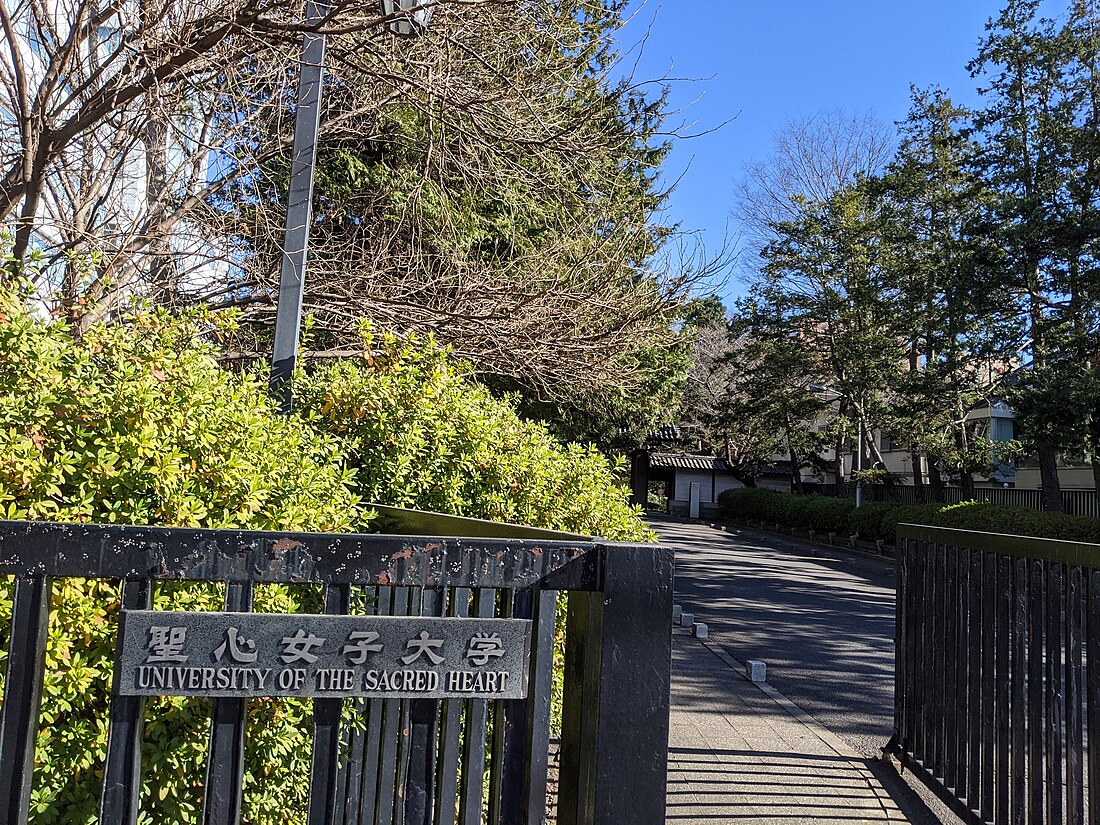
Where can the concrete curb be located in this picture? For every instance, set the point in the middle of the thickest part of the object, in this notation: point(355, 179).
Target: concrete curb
point(837, 744)
point(795, 541)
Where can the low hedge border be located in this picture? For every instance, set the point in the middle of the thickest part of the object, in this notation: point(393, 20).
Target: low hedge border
point(832, 541)
point(878, 521)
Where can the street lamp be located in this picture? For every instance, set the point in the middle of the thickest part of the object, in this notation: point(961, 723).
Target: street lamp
point(405, 17)
point(859, 463)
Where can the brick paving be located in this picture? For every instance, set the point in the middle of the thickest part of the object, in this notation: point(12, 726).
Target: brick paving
point(738, 754)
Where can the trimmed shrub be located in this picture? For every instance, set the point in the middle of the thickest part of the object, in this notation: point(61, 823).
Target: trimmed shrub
point(819, 513)
point(1020, 521)
point(880, 520)
point(418, 434)
point(828, 515)
point(137, 424)
point(904, 514)
point(866, 521)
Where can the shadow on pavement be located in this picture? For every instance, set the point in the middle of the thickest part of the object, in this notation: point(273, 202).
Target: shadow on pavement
point(785, 788)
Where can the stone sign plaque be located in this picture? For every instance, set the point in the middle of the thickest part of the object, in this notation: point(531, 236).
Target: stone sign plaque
point(267, 654)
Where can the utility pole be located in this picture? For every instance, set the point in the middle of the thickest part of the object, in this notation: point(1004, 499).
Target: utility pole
point(859, 463)
point(403, 17)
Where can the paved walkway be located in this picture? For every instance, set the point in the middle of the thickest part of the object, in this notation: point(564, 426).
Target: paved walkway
point(740, 754)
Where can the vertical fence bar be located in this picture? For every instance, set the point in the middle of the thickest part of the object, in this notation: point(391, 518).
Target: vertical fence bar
point(974, 688)
point(352, 767)
point(515, 714)
point(472, 785)
point(938, 602)
point(1053, 696)
point(923, 659)
point(121, 798)
point(424, 727)
point(224, 794)
point(499, 721)
point(392, 722)
point(951, 684)
point(577, 780)
point(901, 625)
point(447, 801)
point(1035, 713)
point(1075, 776)
point(538, 724)
point(404, 739)
point(1002, 745)
point(325, 764)
point(1019, 671)
point(988, 684)
point(1092, 687)
point(22, 696)
point(372, 741)
point(965, 674)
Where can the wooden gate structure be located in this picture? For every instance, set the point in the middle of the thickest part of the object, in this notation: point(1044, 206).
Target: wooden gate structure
point(997, 684)
point(408, 761)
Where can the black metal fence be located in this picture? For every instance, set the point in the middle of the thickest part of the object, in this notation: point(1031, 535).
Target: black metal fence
point(1075, 502)
point(411, 761)
point(997, 706)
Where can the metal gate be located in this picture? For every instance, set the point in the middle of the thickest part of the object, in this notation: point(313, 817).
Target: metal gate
point(406, 761)
point(997, 689)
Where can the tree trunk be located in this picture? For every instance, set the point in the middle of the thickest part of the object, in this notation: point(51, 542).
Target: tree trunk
point(1048, 475)
point(935, 480)
point(839, 471)
point(161, 272)
point(1095, 433)
point(796, 475)
point(966, 485)
point(918, 474)
point(873, 452)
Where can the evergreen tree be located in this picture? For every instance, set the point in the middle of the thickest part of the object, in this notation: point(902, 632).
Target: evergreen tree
point(955, 336)
point(506, 203)
point(1038, 131)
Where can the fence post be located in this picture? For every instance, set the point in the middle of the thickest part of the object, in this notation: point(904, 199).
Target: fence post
point(121, 798)
point(22, 696)
point(617, 710)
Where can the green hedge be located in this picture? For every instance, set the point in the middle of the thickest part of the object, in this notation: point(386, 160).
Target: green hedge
point(880, 520)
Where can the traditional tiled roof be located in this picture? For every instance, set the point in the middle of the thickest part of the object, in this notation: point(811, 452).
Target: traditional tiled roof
point(777, 469)
point(666, 433)
point(687, 461)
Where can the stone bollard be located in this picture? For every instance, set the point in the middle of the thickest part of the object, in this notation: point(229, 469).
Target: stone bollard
point(756, 670)
point(676, 611)
point(700, 630)
point(687, 619)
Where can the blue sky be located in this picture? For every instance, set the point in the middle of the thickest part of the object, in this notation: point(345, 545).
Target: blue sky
point(765, 61)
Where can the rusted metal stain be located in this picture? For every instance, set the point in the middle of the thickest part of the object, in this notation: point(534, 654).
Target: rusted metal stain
point(285, 545)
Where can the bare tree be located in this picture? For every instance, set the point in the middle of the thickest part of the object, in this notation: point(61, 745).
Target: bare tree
point(116, 117)
point(813, 158)
point(490, 183)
